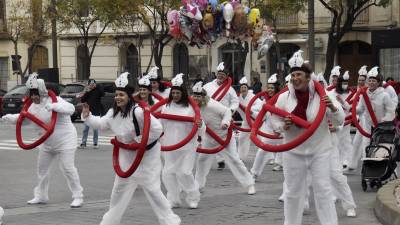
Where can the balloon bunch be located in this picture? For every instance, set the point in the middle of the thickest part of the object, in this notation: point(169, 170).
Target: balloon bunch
point(201, 22)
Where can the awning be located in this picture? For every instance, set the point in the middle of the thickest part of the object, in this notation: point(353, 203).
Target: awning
point(294, 40)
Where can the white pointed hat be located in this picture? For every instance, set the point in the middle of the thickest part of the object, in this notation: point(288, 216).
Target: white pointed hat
point(243, 81)
point(363, 71)
point(153, 74)
point(177, 81)
point(335, 71)
point(34, 82)
point(122, 80)
point(198, 87)
point(272, 79)
point(373, 72)
point(144, 81)
point(346, 76)
point(221, 67)
point(296, 60)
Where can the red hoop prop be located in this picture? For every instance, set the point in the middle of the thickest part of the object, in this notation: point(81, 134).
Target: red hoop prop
point(330, 87)
point(48, 127)
point(310, 127)
point(193, 120)
point(140, 148)
point(371, 112)
point(222, 90)
point(237, 127)
point(349, 119)
point(222, 143)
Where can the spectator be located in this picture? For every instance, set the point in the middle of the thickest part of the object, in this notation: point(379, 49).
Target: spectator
point(389, 79)
point(256, 85)
point(92, 96)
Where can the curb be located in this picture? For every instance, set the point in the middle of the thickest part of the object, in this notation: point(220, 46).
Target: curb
point(386, 209)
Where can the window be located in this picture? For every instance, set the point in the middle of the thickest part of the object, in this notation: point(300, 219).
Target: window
point(389, 60)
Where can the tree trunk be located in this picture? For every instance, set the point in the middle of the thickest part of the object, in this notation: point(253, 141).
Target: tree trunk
point(17, 61)
point(330, 55)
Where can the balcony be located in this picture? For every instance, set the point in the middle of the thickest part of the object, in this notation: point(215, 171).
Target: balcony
point(287, 20)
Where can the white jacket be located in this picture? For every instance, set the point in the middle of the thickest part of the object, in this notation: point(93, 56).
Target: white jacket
point(245, 101)
point(230, 100)
point(149, 169)
point(64, 135)
point(321, 139)
point(382, 105)
point(392, 94)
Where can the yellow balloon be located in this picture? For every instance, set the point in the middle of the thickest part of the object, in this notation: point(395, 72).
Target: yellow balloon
point(254, 15)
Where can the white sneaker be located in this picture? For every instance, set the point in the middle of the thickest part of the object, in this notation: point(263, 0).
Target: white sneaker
point(271, 162)
point(35, 201)
point(77, 203)
point(251, 190)
point(193, 205)
point(351, 213)
point(277, 168)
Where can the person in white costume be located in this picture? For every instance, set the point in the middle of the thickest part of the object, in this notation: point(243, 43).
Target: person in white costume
point(230, 99)
point(157, 86)
point(341, 92)
point(60, 145)
point(121, 120)
point(262, 157)
point(333, 78)
point(359, 141)
point(391, 92)
point(144, 93)
point(177, 173)
point(218, 118)
point(244, 98)
point(310, 157)
point(382, 105)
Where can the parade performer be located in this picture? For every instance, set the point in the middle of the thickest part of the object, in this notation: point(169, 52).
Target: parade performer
point(229, 100)
point(359, 141)
point(335, 73)
point(310, 157)
point(389, 89)
point(144, 93)
point(262, 157)
point(121, 119)
point(382, 105)
point(244, 137)
point(177, 173)
point(61, 144)
point(341, 92)
point(218, 117)
point(157, 86)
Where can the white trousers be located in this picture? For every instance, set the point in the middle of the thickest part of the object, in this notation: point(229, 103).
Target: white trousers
point(121, 195)
point(231, 157)
point(244, 142)
point(341, 188)
point(359, 144)
point(296, 168)
point(67, 165)
point(345, 147)
point(262, 158)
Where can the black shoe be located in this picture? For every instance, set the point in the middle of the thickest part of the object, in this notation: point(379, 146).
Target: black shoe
point(82, 146)
point(221, 165)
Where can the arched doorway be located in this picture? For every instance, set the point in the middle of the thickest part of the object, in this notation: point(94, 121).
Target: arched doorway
point(286, 52)
point(234, 57)
point(181, 60)
point(82, 70)
point(132, 62)
point(40, 58)
point(352, 55)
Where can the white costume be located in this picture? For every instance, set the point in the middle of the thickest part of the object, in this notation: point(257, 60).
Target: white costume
point(244, 137)
point(153, 75)
point(214, 115)
point(343, 134)
point(60, 144)
point(310, 157)
point(177, 173)
point(147, 174)
point(392, 94)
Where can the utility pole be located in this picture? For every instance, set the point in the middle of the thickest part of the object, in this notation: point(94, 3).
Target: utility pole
point(54, 33)
point(311, 52)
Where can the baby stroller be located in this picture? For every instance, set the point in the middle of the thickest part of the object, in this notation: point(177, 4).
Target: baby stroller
point(380, 162)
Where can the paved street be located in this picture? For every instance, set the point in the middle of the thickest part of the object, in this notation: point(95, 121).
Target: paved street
point(224, 202)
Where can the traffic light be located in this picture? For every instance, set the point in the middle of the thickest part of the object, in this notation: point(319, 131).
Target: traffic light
point(14, 62)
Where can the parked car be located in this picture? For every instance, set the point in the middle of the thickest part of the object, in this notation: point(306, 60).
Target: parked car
point(2, 93)
point(73, 92)
point(13, 100)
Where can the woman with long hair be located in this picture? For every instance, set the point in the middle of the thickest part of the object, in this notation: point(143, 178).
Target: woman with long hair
point(178, 164)
point(121, 120)
point(157, 86)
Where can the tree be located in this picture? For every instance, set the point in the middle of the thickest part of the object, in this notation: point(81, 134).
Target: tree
point(25, 22)
point(84, 15)
point(344, 13)
point(153, 14)
point(272, 11)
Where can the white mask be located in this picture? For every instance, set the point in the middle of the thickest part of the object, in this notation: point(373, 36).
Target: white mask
point(345, 86)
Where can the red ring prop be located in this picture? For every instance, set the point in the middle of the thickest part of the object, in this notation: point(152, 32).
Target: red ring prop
point(310, 127)
point(140, 148)
point(222, 143)
point(371, 112)
point(222, 90)
point(180, 118)
point(239, 128)
point(349, 119)
point(48, 127)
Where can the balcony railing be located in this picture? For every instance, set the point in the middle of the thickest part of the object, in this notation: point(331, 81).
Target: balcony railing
point(287, 20)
